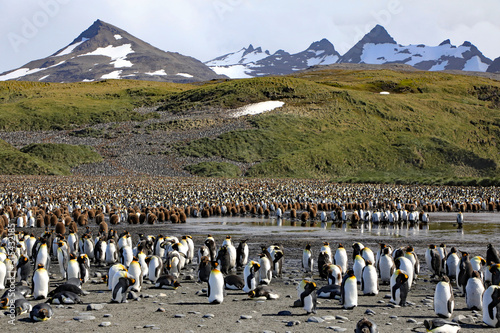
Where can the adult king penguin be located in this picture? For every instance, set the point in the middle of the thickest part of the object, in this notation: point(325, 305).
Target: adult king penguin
point(215, 286)
point(349, 291)
point(444, 302)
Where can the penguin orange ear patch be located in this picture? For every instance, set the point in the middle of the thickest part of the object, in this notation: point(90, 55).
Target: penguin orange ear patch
point(406, 276)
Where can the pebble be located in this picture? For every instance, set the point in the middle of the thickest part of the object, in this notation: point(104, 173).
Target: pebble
point(284, 313)
point(293, 323)
point(328, 318)
point(84, 317)
point(341, 318)
point(179, 315)
point(149, 326)
point(160, 310)
point(245, 317)
point(108, 315)
point(314, 319)
point(393, 317)
point(95, 307)
point(209, 315)
point(370, 312)
point(105, 324)
point(194, 312)
point(411, 320)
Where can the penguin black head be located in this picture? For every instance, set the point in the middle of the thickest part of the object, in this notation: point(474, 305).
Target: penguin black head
point(464, 254)
point(308, 246)
point(40, 266)
point(432, 246)
point(251, 294)
point(453, 250)
point(475, 274)
point(341, 246)
point(256, 266)
point(350, 273)
point(445, 278)
point(176, 284)
point(442, 245)
point(4, 303)
point(326, 243)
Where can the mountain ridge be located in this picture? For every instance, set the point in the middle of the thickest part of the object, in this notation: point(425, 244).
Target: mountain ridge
point(104, 51)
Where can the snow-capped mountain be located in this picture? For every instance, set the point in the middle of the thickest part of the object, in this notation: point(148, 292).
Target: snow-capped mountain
point(250, 62)
point(104, 51)
point(378, 47)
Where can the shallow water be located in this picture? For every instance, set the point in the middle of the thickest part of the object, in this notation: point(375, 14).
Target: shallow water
point(482, 227)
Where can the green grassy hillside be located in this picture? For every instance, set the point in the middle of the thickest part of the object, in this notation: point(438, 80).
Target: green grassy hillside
point(44, 106)
point(44, 159)
point(336, 124)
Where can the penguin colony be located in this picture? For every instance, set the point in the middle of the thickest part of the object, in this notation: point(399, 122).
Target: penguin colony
point(161, 258)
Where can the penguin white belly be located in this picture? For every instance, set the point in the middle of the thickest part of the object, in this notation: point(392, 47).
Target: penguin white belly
point(341, 260)
point(73, 271)
point(215, 287)
point(110, 253)
point(490, 316)
point(474, 293)
point(452, 266)
point(385, 266)
point(358, 269)
point(115, 279)
point(407, 266)
point(250, 280)
point(88, 248)
point(127, 255)
point(232, 256)
point(350, 293)
point(154, 269)
point(3, 273)
point(136, 272)
point(265, 273)
point(40, 284)
point(309, 303)
point(111, 273)
point(443, 303)
point(370, 281)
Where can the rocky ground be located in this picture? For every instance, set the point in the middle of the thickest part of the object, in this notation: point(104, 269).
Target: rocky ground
point(133, 148)
point(187, 310)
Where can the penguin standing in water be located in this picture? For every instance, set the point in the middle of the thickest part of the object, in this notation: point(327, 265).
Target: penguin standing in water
point(340, 258)
point(242, 254)
point(474, 292)
point(349, 291)
point(369, 280)
point(491, 300)
point(399, 287)
point(40, 283)
point(444, 302)
point(460, 220)
point(249, 276)
point(215, 286)
point(452, 263)
point(464, 271)
point(307, 259)
point(308, 297)
point(386, 266)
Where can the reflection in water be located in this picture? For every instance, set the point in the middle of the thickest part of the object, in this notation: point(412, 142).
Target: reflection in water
point(485, 225)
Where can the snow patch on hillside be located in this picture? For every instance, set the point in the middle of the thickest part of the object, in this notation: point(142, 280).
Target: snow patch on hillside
point(256, 108)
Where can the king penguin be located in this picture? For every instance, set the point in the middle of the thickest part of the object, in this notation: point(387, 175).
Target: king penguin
point(451, 264)
point(366, 326)
point(369, 280)
point(340, 258)
point(242, 253)
point(307, 259)
point(308, 296)
point(464, 271)
point(399, 287)
point(386, 266)
point(491, 299)
point(439, 325)
point(215, 286)
point(444, 302)
point(249, 276)
point(40, 283)
point(433, 261)
point(349, 291)
point(41, 312)
point(474, 292)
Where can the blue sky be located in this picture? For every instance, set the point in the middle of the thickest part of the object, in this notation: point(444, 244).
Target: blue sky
point(205, 29)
